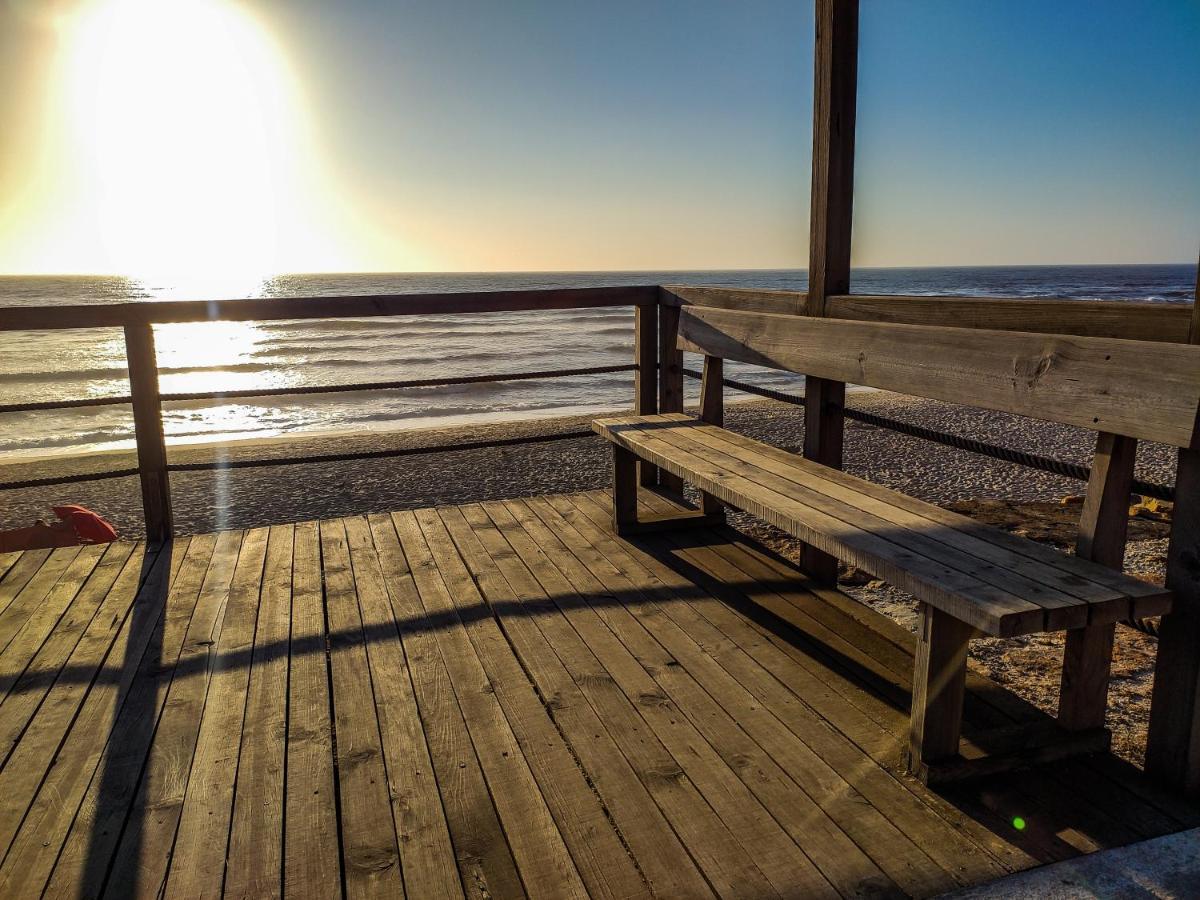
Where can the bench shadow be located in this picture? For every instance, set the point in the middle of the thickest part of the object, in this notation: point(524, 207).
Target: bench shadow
point(1031, 798)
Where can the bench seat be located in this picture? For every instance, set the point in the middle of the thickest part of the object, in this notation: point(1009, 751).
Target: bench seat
point(999, 583)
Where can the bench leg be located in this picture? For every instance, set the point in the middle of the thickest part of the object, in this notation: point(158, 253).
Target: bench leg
point(939, 683)
point(1087, 662)
point(625, 490)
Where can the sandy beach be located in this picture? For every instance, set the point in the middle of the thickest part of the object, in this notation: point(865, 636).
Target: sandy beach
point(243, 498)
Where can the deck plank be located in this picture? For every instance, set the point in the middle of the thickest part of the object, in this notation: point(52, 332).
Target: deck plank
point(28, 563)
point(36, 630)
point(255, 861)
point(370, 854)
point(312, 863)
point(485, 860)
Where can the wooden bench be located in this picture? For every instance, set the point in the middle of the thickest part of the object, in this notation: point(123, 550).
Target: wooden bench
point(971, 579)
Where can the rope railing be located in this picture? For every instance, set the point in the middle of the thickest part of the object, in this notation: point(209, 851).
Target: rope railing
point(319, 388)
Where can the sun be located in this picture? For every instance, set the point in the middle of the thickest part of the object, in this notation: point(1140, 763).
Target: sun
point(185, 119)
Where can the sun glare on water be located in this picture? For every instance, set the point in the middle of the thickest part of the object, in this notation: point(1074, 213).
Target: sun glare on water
point(184, 121)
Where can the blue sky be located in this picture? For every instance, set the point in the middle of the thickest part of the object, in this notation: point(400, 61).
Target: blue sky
point(621, 135)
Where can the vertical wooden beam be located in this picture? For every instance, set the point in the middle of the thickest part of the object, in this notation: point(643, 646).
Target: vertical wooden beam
point(835, 89)
point(148, 431)
point(645, 382)
point(625, 490)
point(670, 378)
point(712, 411)
point(834, 96)
point(1173, 744)
point(939, 685)
point(1103, 526)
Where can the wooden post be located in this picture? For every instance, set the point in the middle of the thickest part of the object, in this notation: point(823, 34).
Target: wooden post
point(1103, 525)
point(625, 490)
point(939, 685)
point(1173, 744)
point(148, 431)
point(712, 411)
point(670, 379)
point(830, 220)
point(645, 382)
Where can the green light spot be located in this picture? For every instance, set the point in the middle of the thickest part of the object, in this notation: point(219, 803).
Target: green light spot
point(1018, 823)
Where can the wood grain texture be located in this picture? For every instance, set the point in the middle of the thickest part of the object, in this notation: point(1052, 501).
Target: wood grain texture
point(1103, 524)
point(835, 89)
point(311, 864)
point(749, 299)
point(539, 636)
point(943, 559)
point(204, 819)
point(254, 867)
point(1134, 320)
point(939, 685)
point(538, 846)
point(699, 717)
point(79, 812)
point(1096, 383)
point(485, 861)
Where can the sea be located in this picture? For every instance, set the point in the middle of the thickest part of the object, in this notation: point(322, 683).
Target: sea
point(219, 356)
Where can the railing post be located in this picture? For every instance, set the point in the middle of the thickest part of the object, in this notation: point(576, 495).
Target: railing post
point(148, 431)
point(830, 217)
point(670, 378)
point(1173, 743)
point(1103, 526)
point(712, 411)
point(645, 381)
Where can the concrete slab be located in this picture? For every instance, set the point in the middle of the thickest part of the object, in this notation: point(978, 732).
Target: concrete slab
point(1166, 867)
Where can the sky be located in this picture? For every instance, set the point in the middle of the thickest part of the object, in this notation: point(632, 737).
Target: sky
point(266, 136)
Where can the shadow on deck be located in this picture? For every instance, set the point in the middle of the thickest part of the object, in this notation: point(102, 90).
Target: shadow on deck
point(496, 700)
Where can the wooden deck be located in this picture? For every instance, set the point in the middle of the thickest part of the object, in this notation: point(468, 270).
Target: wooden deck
point(495, 700)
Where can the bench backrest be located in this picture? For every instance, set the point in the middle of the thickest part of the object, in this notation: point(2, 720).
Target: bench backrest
point(1134, 388)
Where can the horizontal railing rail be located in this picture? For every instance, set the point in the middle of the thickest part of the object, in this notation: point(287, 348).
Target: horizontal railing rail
point(352, 306)
point(1137, 320)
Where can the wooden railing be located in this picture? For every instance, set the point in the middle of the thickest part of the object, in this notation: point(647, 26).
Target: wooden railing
point(657, 363)
point(137, 319)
